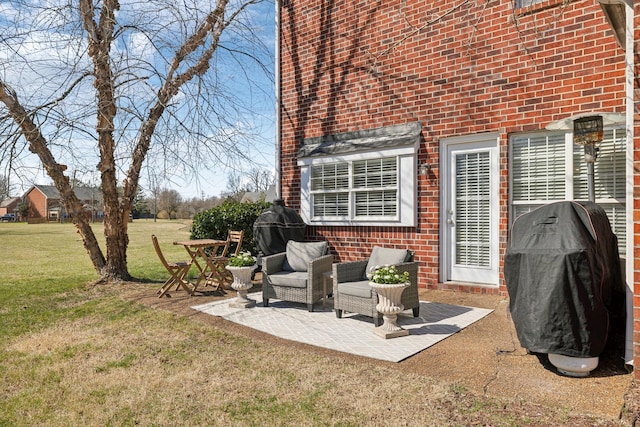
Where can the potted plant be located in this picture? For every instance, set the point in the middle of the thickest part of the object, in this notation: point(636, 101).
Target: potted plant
point(388, 275)
point(243, 259)
point(241, 267)
point(389, 284)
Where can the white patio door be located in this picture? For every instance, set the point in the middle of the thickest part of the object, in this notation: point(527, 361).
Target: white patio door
point(470, 210)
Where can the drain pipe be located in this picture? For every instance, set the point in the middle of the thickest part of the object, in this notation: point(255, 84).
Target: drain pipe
point(278, 101)
point(620, 15)
point(629, 266)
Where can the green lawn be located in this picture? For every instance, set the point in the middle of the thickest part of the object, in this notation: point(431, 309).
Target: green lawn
point(44, 265)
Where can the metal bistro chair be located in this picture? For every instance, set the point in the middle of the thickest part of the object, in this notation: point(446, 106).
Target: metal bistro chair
point(177, 270)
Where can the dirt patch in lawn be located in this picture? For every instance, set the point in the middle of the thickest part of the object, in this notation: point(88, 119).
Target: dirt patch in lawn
point(483, 361)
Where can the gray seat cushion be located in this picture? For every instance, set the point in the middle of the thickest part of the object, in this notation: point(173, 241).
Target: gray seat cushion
point(300, 254)
point(293, 279)
point(357, 289)
point(385, 256)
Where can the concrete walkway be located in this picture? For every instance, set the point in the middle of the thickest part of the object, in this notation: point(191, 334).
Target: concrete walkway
point(487, 358)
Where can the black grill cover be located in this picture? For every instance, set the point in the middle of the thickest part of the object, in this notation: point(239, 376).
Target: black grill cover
point(276, 226)
point(562, 272)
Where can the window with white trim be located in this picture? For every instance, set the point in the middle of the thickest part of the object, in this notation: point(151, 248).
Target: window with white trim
point(369, 186)
point(360, 189)
point(548, 167)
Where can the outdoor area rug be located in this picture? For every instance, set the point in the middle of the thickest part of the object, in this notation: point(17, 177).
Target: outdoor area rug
point(353, 333)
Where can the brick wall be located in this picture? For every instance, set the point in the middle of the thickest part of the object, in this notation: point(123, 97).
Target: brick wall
point(37, 204)
point(481, 67)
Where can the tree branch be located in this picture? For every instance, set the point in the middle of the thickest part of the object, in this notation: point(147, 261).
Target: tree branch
point(213, 27)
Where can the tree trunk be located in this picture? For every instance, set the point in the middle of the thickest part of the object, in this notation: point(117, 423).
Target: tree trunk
point(100, 38)
point(116, 221)
point(90, 243)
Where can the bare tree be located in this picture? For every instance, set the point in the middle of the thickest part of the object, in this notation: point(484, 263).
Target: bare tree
point(260, 179)
point(256, 179)
point(235, 186)
point(126, 82)
point(169, 200)
point(192, 206)
point(4, 188)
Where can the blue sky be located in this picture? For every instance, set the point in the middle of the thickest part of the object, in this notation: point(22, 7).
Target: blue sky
point(34, 64)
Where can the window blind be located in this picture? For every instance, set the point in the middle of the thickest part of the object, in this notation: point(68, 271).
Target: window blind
point(538, 168)
point(473, 209)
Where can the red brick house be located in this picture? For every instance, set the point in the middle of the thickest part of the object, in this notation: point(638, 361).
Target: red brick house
point(45, 203)
point(432, 125)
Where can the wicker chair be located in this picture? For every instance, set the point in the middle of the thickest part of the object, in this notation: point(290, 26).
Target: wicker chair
point(351, 290)
point(296, 275)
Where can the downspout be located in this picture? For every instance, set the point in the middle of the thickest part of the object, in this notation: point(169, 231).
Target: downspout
point(278, 102)
point(629, 265)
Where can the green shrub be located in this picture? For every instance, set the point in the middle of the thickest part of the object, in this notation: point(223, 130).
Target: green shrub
point(216, 222)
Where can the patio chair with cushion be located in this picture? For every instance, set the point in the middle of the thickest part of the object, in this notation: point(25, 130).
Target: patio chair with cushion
point(296, 275)
point(177, 271)
point(351, 290)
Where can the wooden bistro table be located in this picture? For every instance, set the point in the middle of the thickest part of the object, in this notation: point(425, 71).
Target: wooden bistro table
point(204, 253)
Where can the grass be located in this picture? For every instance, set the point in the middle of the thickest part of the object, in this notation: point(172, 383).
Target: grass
point(76, 354)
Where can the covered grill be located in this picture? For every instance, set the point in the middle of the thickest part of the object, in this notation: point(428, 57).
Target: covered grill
point(562, 272)
point(276, 226)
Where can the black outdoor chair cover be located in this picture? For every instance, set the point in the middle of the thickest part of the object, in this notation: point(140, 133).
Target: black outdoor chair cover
point(562, 272)
point(276, 226)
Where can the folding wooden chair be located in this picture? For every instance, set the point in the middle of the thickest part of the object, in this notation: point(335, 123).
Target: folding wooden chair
point(177, 270)
point(234, 237)
point(220, 276)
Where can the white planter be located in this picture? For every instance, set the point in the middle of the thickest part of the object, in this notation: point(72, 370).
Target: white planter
point(242, 283)
point(574, 366)
point(389, 304)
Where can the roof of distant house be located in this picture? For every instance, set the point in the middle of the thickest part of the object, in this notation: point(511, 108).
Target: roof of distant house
point(9, 201)
point(83, 193)
point(252, 196)
point(256, 196)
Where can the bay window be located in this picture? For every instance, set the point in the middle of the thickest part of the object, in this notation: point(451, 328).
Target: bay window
point(345, 182)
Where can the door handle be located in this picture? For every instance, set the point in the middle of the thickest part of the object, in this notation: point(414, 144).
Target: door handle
point(450, 220)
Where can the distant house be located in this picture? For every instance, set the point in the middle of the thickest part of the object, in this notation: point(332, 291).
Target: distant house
point(257, 196)
point(45, 203)
point(9, 206)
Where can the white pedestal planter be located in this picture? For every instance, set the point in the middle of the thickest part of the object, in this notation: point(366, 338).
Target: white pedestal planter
point(389, 304)
point(241, 283)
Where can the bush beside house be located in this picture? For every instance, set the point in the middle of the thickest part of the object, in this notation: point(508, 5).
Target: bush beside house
point(215, 223)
